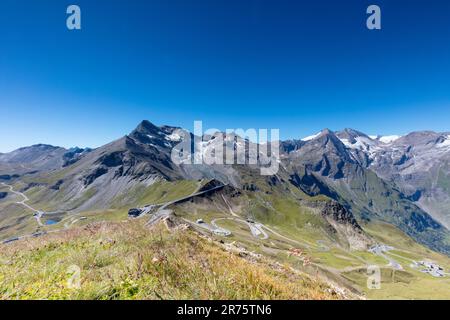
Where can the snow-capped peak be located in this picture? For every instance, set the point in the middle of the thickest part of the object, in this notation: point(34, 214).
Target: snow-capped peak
point(363, 143)
point(389, 139)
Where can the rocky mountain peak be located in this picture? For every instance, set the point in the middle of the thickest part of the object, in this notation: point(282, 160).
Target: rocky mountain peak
point(146, 127)
point(351, 135)
point(329, 141)
point(421, 138)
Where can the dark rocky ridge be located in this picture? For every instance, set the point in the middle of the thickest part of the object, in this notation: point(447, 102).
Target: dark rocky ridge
point(340, 214)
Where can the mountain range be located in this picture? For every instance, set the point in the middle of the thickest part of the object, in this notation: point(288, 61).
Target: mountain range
point(404, 181)
point(337, 195)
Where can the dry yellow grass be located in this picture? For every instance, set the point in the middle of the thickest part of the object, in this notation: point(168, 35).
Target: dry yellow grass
point(129, 261)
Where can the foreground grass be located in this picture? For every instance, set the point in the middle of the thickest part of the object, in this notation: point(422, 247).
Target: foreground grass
point(128, 261)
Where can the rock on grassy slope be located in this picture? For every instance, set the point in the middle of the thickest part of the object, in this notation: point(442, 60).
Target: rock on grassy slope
point(126, 261)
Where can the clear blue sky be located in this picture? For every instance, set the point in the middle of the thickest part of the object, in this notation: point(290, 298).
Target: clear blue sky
point(295, 65)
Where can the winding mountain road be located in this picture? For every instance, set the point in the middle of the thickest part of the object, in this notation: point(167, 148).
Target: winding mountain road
point(37, 213)
point(255, 228)
point(381, 250)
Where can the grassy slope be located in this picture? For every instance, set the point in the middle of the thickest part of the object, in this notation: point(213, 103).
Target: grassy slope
point(286, 216)
point(306, 230)
point(409, 283)
point(15, 220)
point(127, 261)
point(369, 193)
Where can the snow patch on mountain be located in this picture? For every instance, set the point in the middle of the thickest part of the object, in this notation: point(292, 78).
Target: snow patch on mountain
point(389, 139)
point(173, 137)
point(445, 143)
point(309, 138)
point(363, 143)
